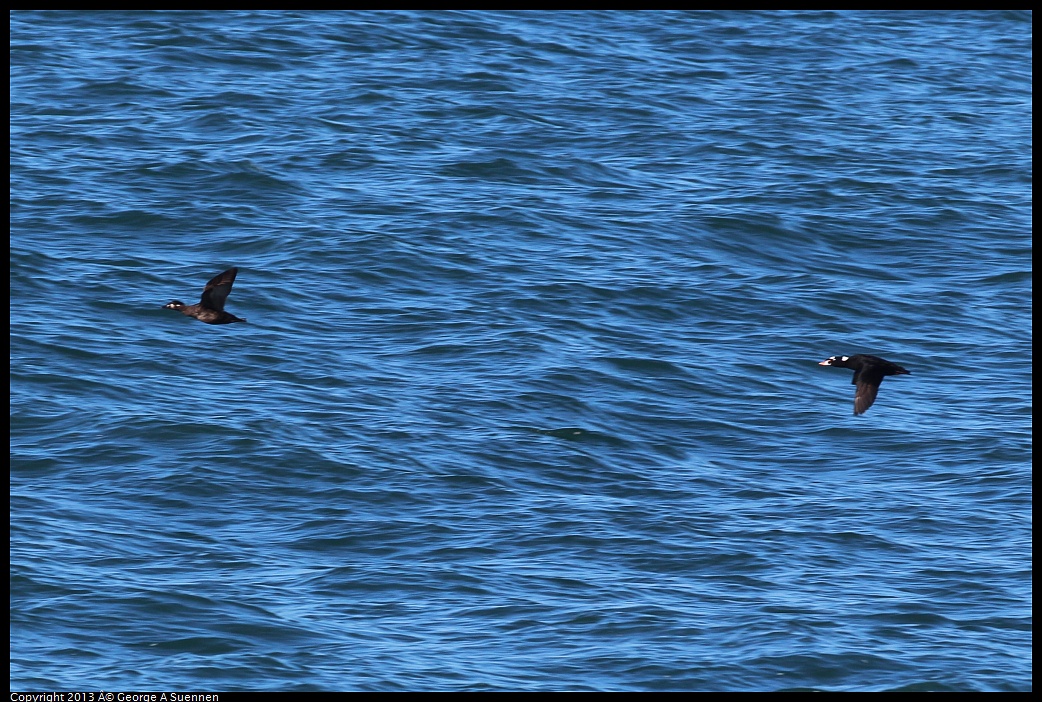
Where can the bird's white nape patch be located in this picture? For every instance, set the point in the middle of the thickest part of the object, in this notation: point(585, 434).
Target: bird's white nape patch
point(844, 358)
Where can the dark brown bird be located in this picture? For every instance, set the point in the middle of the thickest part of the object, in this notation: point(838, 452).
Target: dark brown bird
point(869, 372)
point(210, 308)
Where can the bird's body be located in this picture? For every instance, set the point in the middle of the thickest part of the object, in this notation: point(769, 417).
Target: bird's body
point(869, 372)
point(210, 308)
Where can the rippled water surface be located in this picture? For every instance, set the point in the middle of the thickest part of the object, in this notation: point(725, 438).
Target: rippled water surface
point(528, 398)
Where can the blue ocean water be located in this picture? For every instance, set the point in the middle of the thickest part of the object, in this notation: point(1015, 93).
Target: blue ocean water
point(528, 398)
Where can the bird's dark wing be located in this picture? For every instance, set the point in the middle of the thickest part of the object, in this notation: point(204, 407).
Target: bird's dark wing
point(216, 291)
point(864, 396)
point(867, 381)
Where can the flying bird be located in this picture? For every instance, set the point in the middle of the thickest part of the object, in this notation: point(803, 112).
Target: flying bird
point(210, 308)
point(869, 372)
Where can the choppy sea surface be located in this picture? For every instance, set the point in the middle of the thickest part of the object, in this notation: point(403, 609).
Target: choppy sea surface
point(528, 398)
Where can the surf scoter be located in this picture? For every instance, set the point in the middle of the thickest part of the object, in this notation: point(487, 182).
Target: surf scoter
point(210, 308)
point(868, 374)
